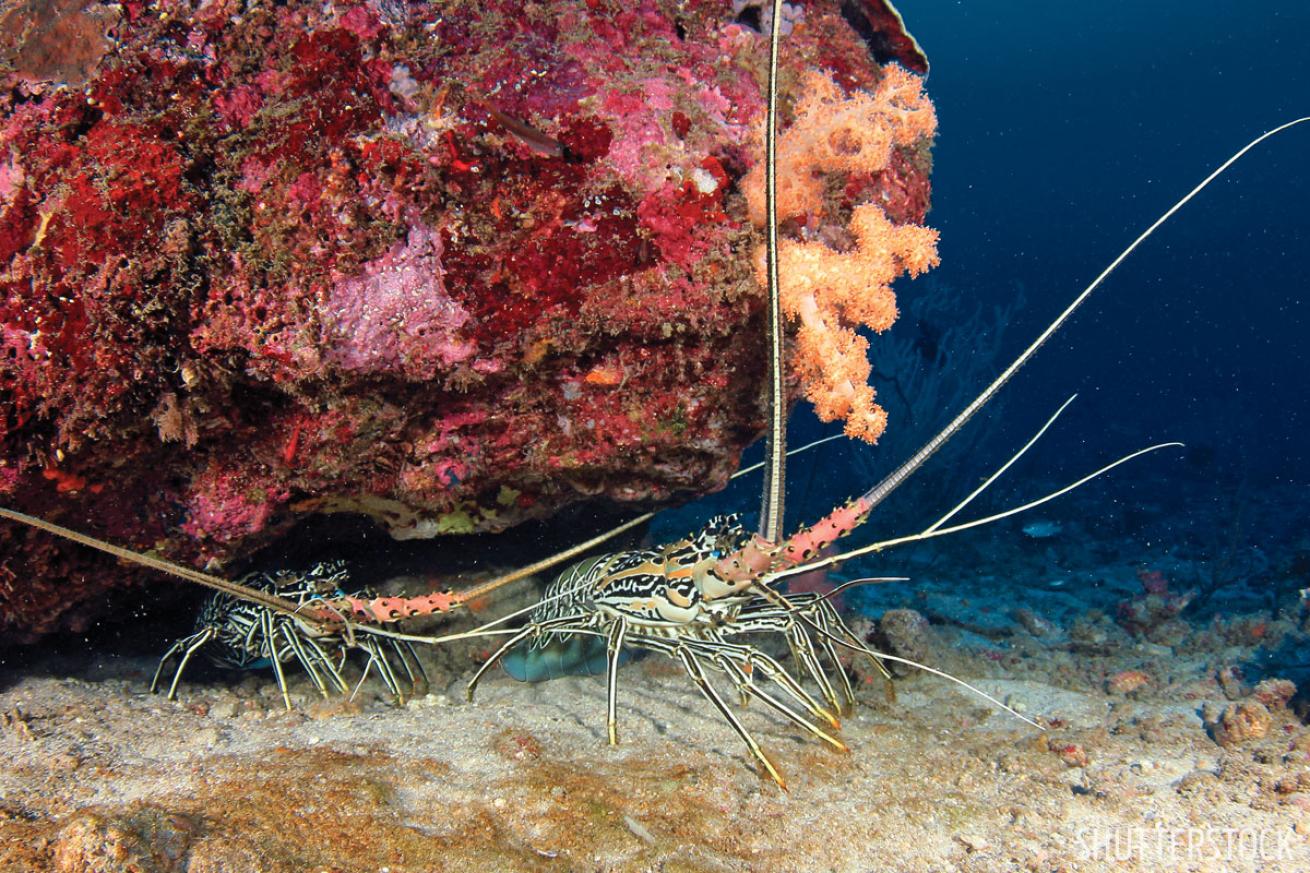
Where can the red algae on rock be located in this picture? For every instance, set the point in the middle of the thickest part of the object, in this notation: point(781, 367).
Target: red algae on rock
point(399, 261)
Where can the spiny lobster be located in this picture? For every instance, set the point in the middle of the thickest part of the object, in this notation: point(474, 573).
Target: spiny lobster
point(246, 636)
point(270, 619)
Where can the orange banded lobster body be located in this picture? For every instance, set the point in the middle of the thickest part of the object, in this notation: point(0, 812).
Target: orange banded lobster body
point(759, 557)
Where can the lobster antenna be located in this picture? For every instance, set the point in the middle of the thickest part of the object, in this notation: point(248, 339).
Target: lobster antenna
point(987, 483)
point(878, 493)
point(867, 580)
point(779, 600)
point(234, 589)
point(934, 671)
point(775, 474)
point(934, 532)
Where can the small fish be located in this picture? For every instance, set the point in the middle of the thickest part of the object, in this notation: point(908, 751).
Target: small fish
point(528, 135)
point(1042, 529)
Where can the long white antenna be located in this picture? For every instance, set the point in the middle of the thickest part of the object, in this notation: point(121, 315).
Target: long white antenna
point(775, 474)
point(878, 493)
point(235, 589)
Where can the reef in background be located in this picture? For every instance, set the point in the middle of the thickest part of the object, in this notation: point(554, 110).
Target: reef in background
point(450, 265)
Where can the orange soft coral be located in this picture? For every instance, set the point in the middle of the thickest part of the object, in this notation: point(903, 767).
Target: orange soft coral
point(834, 133)
point(830, 292)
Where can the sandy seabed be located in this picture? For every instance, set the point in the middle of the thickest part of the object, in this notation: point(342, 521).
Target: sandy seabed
point(99, 775)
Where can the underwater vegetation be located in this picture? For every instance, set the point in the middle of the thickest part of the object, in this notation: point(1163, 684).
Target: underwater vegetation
point(451, 265)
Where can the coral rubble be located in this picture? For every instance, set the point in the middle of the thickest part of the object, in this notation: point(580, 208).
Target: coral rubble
point(451, 265)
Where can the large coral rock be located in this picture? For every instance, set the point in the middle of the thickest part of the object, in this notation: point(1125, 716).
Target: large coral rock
point(452, 265)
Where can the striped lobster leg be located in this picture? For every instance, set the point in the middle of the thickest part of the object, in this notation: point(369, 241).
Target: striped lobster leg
point(308, 653)
point(740, 663)
point(378, 651)
point(185, 647)
point(270, 641)
point(695, 669)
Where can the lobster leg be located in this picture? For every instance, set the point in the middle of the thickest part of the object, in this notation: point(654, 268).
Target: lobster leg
point(413, 657)
point(819, 614)
point(409, 662)
point(304, 658)
point(747, 686)
point(696, 671)
point(253, 630)
point(172, 650)
point(802, 650)
point(187, 647)
point(413, 653)
point(390, 649)
point(614, 645)
point(557, 624)
point(827, 616)
point(389, 670)
point(497, 655)
point(749, 659)
point(831, 626)
point(377, 656)
point(270, 639)
point(326, 663)
point(848, 691)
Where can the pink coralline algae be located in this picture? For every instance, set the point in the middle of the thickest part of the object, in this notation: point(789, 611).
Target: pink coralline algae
point(396, 317)
point(451, 265)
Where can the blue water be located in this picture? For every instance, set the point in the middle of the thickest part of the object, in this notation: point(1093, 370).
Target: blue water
point(1065, 130)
